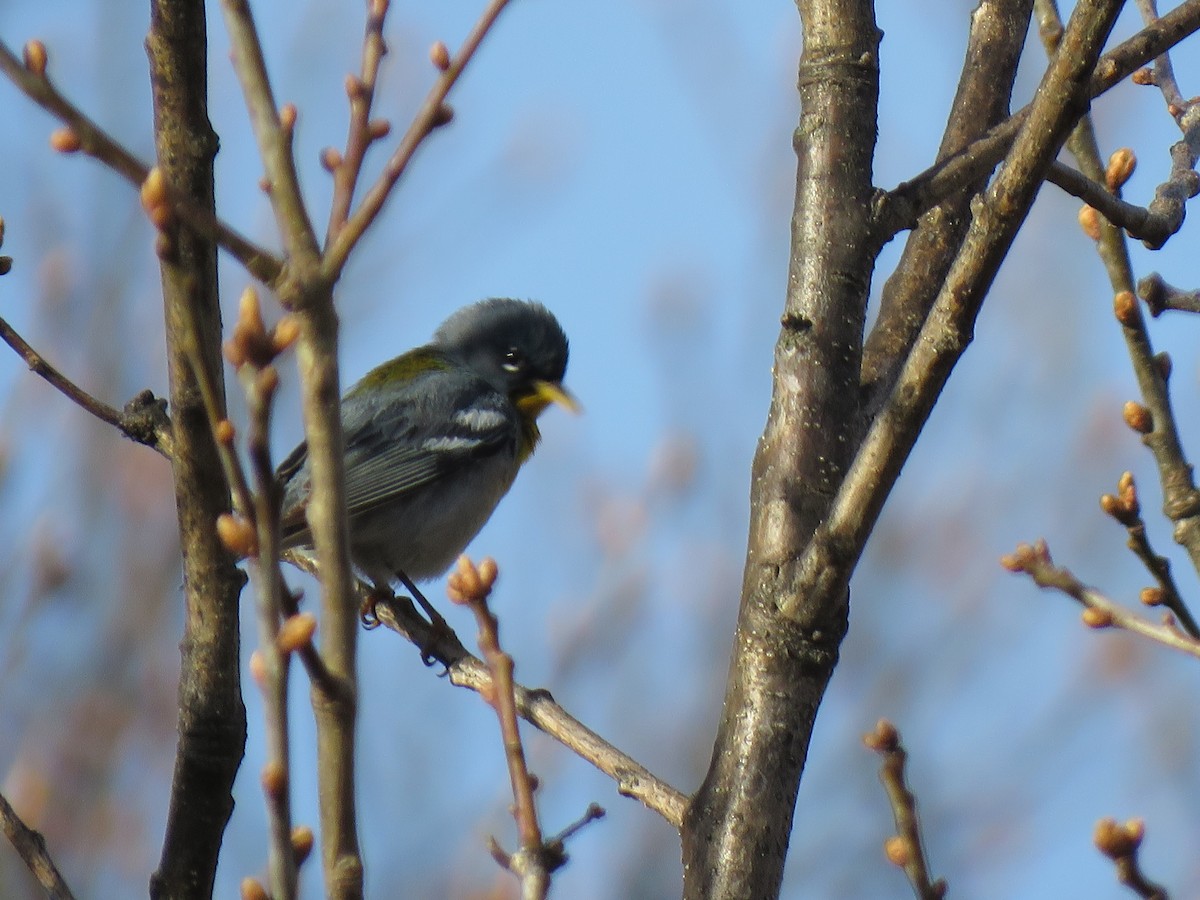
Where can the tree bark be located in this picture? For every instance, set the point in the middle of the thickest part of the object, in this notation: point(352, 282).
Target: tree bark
point(212, 717)
point(737, 826)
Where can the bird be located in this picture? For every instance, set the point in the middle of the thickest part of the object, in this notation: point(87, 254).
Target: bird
point(433, 441)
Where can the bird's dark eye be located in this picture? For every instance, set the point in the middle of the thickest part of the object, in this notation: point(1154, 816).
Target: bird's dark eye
point(514, 360)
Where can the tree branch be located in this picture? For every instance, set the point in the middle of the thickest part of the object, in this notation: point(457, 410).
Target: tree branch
point(538, 708)
point(900, 208)
point(212, 719)
point(1061, 100)
point(432, 114)
point(144, 419)
point(31, 847)
point(1101, 612)
point(93, 140)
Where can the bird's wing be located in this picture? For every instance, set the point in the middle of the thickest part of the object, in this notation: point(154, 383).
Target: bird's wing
point(404, 439)
point(423, 435)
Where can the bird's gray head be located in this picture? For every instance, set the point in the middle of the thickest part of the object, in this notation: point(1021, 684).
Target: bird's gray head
point(515, 344)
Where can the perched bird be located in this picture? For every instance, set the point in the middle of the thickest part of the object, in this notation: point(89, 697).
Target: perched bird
point(434, 438)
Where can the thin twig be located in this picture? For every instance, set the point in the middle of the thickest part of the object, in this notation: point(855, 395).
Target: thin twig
point(1160, 296)
point(361, 134)
point(1138, 221)
point(1101, 612)
point(1121, 844)
point(260, 383)
point(906, 848)
point(274, 139)
point(144, 419)
point(1125, 507)
point(469, 586)
point(31, 847)
point(431, 115)
point(538, 708)
point(306, 291)
point(899, 209)
point(1181, 501)
point(536, 859)
point(98, 144)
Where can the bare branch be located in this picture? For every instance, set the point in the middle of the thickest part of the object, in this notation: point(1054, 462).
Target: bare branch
point(1160, 296)
point(831, 555)
point(274, 138)
point(1121, 844)
point(362, 132)
point(432, 114)
point(900, 208)
point(538, 708)
point(31, 847)
point(144, 419)
point(1101, 612)
point(98, 144)
point(1125, 507)
point(1139, 222)
point(906, 848)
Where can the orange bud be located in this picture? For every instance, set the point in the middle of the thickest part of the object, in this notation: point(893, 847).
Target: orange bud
point(302, 842)
point(1120, 167)
point(885, 738)
point(1137, 417)
point(274, 779)
point(225, 432)
point(898, 851)
point(439, 56)
point(330, 159)
point(258, 668)
point(65, 140)
point(296, 631)
point(1151, 596)
point(1097, 618)
point(237, 535)
point(1089, 221)
point(251, 890)
point(35, 58)
point(288, 116)
point(285, 333)
point(1125, 308)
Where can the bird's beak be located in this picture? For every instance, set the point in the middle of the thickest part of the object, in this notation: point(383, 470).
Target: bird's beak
point(543, 394)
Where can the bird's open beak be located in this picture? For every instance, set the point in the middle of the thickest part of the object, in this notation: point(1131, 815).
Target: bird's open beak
point(543, 394)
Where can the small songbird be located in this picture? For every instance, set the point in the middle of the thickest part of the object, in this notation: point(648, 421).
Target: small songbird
point(434, 439)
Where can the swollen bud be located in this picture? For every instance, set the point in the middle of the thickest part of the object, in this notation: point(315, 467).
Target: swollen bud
point(1120, 167)
point(1137, 417)
point(35, 58)
point(439, 56)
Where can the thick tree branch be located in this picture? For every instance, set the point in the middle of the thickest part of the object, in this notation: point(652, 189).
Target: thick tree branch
point(994, 46)
point(737, 826)
point(1061, 100)
point(212, 719)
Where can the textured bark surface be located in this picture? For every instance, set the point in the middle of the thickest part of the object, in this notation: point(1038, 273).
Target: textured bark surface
point(212, 718)
point(736, 830)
